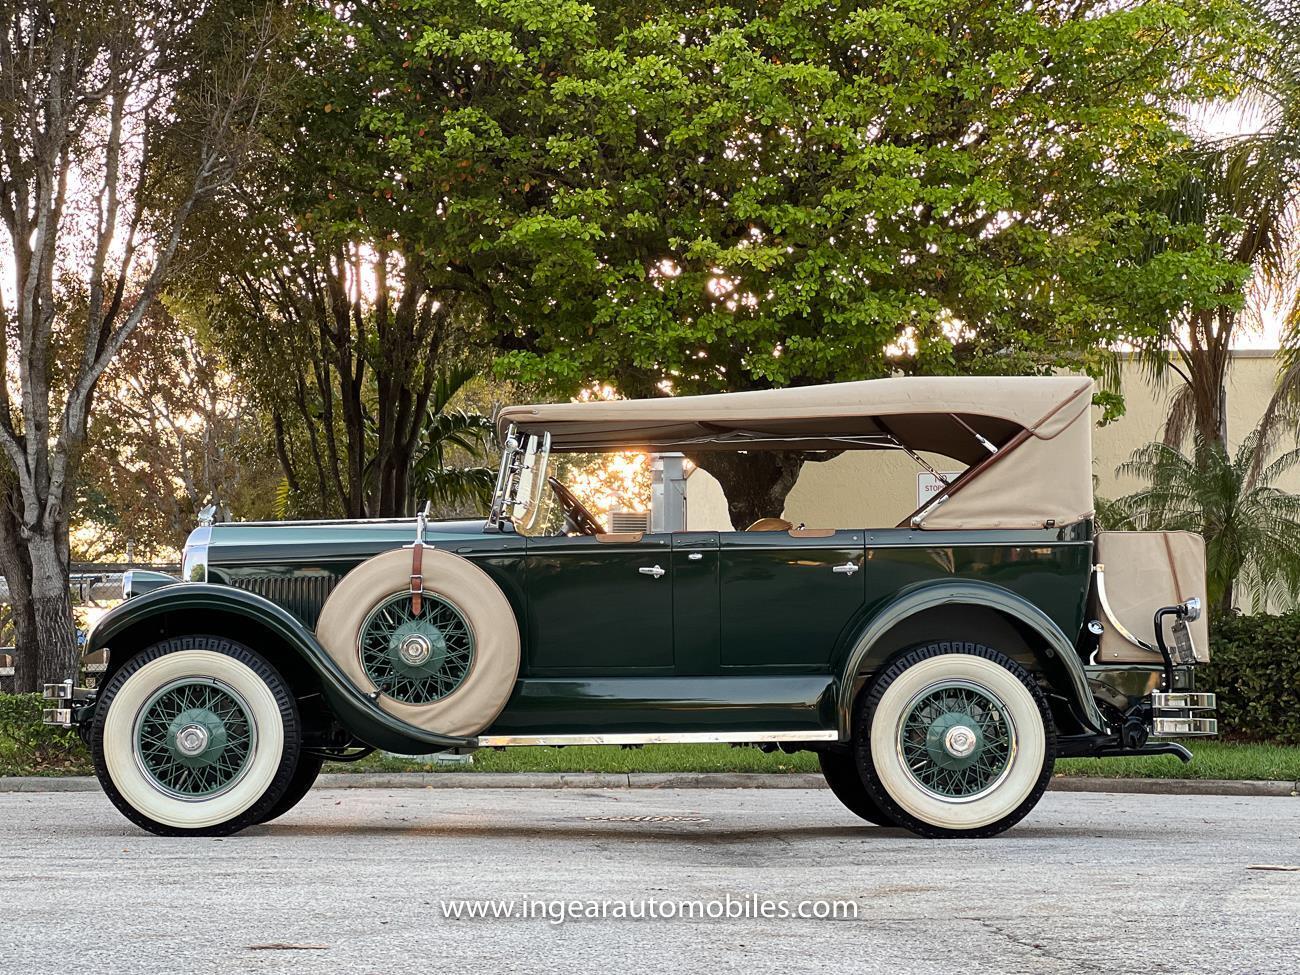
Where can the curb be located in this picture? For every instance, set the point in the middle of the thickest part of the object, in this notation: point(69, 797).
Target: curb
point(679, 780)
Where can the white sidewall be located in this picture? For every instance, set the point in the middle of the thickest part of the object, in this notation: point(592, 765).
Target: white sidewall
point(140, 791)
point(1026, 761)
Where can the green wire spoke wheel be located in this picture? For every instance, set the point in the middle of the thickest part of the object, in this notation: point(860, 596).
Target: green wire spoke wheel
point(416, 658)
point(194, 738)
point(957, 740)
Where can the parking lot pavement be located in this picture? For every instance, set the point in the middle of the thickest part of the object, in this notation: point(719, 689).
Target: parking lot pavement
point(357, 881)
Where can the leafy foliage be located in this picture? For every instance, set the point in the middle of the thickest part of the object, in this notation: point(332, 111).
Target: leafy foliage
point(1251, 528)
point(1240, 196)
point(722, 197)
point(1255, 670)
point(697, 198)
point(448, 437)
point(27, 746)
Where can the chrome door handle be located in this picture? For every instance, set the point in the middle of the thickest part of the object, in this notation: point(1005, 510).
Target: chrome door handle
point(651, 570)
point(848, 568)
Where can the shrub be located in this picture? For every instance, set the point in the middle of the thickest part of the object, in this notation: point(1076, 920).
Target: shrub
point(1255, 669)
point(28, 747)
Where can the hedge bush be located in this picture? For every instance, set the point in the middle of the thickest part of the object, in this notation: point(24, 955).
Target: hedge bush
point(1255, 669)
point(28, 747)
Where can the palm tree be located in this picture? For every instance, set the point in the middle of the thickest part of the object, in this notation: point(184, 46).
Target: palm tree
point(1251, 528)
point(449, 438)
point(1244, 191)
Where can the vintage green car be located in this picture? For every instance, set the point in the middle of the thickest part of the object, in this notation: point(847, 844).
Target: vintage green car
point(937, 667)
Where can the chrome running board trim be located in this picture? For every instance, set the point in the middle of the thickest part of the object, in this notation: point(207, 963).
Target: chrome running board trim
point(658, 738)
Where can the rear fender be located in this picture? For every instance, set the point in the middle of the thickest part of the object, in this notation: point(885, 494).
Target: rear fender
point(1054, 653)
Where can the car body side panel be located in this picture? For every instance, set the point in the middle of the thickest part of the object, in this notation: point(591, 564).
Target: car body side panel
point(611, 705)
point(592, 609)
point(787, 599)
point(793, 624)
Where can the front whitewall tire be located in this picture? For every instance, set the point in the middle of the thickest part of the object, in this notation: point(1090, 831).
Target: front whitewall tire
point(238, 675)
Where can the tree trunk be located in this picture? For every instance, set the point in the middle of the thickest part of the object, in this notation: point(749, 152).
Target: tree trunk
point(56, 635)
point(17, 570)
point(755, 484)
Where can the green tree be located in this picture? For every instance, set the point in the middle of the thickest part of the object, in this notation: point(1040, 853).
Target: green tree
point(685, 199)
point(1251, 528)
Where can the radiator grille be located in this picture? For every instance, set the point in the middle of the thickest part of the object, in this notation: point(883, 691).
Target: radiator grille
point(303, 596)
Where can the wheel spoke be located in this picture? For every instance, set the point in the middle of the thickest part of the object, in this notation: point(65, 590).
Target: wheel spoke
point(956, 740)
point(209, 714)
point(446, 638)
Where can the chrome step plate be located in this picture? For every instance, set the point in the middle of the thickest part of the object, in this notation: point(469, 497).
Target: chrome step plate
point(1183, 701)
point(1183, 727)
point(61, 717)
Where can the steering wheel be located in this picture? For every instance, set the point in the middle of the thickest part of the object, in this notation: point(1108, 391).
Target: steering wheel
point(576, 516)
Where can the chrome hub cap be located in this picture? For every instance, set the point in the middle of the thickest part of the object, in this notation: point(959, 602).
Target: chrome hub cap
point(192, 739)
point(416, 658)
point(415, 649)
point(956, 740)
point(959, 741)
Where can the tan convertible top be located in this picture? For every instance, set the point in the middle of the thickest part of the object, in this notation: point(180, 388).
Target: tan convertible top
point(1042, 421)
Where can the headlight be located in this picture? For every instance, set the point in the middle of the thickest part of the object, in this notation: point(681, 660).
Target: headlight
point(194, 561)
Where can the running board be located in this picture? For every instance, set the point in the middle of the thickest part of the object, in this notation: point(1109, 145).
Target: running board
point(658, 738)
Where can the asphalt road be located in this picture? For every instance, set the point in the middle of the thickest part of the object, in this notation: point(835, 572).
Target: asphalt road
point(353, 881)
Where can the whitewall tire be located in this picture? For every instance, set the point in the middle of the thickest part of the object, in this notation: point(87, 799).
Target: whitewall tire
point(955, 739)
point(197, 735)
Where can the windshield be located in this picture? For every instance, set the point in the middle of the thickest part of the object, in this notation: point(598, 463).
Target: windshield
point(523, 482)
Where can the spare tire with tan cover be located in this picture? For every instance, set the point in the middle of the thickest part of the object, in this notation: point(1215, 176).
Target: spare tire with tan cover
point(446, 665)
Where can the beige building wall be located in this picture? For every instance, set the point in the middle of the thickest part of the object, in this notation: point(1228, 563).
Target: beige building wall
point(872, 489)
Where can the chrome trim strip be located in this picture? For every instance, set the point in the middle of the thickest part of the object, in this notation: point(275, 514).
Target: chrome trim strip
point(658, 738)
point(1120, 628)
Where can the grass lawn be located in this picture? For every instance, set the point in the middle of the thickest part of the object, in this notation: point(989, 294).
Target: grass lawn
point(1214, 760)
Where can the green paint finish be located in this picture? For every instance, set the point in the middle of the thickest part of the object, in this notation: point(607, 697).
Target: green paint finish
point(415, 657)
point(956, 740)
point(598, 607)
point(616, 704)
point(194, 738)
point(696, 595)
point(1050, 569)
point(787, 601)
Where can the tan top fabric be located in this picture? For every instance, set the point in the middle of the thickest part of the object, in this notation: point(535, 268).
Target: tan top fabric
point(1046, 477)
point(917, 410)
point(1144, 571)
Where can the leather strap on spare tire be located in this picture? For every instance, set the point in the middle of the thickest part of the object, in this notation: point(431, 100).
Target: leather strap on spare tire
point(445, 662)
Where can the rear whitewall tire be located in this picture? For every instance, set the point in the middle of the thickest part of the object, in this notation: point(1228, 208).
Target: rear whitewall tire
point(237, 674)
point(900, 791)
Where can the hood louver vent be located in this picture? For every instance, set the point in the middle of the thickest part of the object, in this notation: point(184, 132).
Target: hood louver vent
point(303, 596)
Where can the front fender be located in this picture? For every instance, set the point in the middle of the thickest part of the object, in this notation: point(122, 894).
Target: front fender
point(356, 711)
point(1060, 655)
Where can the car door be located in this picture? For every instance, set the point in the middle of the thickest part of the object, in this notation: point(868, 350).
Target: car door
point(599, 604)
point(788, 597)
